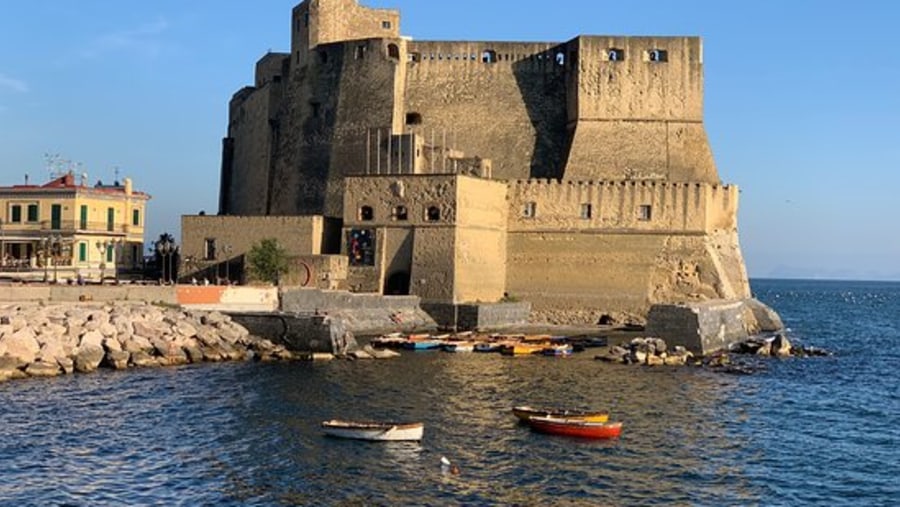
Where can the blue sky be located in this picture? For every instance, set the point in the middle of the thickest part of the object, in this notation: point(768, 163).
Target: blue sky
point(802, 102)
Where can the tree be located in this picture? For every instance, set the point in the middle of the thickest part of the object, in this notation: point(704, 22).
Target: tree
point(267, 260)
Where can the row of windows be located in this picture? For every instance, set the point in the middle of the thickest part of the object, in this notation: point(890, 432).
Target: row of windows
point(645, 211)
point(399, 214)
point(33, 214)
point(491, 56)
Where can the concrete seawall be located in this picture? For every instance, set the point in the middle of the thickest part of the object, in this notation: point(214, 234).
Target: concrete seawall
point(709, 326)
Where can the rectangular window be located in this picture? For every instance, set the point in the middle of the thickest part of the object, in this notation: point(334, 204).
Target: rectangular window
point(109, 253)
point(209, 249)
point(386, 25)
point(360, 52)
point(110, 219)
point(56, 217)
point(32, 213)
point(586, 211)
point(83, 222)
point(530, 210)
point(645, 212)
point(15, 213)
point(136, 217)
point(82, 252)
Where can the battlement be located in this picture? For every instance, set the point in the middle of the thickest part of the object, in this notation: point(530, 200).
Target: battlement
point(645, 206)
point(315, 22)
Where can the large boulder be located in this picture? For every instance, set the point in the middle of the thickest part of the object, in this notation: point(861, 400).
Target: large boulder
point(21, 344)
point(117, 359)
point(91, 339)
point(87, 359)
point(43, 369)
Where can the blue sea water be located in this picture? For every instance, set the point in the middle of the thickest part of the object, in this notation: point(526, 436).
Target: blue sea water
point(813, 431)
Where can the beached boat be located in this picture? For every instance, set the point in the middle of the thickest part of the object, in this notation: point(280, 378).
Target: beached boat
point(563, 350)
point(388, 341)
point(575, 427)
point(458, 346)
point(522, 349)
point(525, 412)
point(423, 344)
point(487, 347)
point(382, 431)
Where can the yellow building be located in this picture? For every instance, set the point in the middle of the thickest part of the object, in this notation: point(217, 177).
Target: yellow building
point(62, 229)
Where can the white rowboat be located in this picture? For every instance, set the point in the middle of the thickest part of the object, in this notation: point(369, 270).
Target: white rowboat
point(381, 431)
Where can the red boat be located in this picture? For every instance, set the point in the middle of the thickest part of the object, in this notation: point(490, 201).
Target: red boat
point(575, 427)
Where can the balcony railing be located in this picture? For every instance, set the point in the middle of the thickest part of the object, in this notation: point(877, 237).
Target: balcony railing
point(71, 226)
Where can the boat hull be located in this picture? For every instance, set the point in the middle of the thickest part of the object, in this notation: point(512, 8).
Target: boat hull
point(385, 432)
point(575, 427)
point(525, 412)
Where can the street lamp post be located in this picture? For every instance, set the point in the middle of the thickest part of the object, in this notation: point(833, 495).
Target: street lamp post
point(166, 250)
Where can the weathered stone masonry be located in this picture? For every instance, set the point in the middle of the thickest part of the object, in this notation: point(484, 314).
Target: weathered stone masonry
point(576, 175)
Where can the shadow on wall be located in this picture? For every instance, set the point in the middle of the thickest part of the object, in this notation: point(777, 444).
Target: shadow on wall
point(543, 88)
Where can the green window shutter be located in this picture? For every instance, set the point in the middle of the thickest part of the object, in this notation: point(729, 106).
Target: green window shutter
point(136, 217)
point(16, 213)
point(110, 219)
point(32, 212)
point(56, 216)
point(109, 253)
point(84, 217)
point(82, 252)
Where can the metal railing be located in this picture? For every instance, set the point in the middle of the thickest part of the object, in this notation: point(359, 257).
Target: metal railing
point(69, 225)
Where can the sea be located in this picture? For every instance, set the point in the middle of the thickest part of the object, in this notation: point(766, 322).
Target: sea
point(795, 431)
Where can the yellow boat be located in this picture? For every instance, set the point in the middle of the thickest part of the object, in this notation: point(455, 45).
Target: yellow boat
point(525, 412)
point(522, 349)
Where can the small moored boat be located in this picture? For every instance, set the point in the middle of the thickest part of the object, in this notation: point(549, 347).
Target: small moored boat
point(575, 427)
point(525, 412)
point(381, 431)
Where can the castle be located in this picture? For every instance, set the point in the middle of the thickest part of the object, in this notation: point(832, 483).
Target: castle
point(573, 175)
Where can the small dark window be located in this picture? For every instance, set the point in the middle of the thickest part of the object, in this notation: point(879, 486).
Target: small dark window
point(658, 55)
point(616, 54)
point(432, 214)
point(316, 109)
point(366, 213)
point(360, 52)
point(15, 213)
point(400, 213)
point(32, 212)
point(305, 19)
point(386, 25)
point(529, 210)
point(413, 119)
point(209, 249)
point(489, 56)
point(645, 212)
point(586, 211)
point(323, 56)
point(560, 58)
point(136, 217)
point(414, 57)
point(393, 51)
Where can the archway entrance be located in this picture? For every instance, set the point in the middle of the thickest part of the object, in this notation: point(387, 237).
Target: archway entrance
point(397, 284)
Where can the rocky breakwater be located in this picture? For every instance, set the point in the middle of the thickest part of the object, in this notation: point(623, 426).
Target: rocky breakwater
point(50, 340)
point(741, 357)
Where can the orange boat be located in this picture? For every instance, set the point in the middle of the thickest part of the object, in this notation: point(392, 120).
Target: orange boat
point(575, 427)
point(525, 412)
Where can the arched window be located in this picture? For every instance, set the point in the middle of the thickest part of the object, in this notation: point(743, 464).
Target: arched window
point(489, 56)
point(393, 51)
point(615, 54)
point(658, 55)
point(560, 58)
point(366, 213)
point(432, 214)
